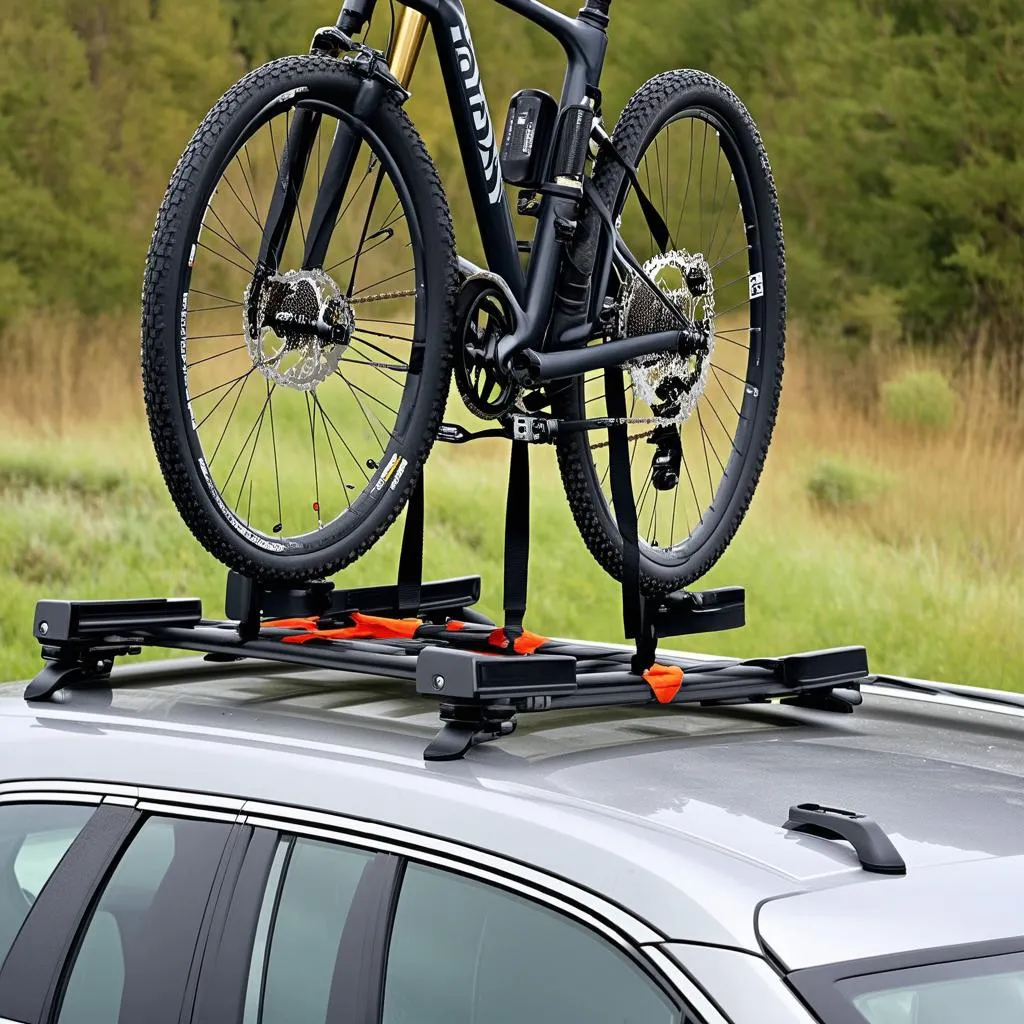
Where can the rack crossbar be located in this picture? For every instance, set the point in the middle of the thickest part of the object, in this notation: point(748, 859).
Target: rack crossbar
point(480, 688)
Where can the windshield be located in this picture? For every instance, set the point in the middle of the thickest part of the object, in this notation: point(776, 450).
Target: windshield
point(984, 990)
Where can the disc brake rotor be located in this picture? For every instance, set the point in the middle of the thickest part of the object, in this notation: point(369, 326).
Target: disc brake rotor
point(670, 384)
point(297, 327)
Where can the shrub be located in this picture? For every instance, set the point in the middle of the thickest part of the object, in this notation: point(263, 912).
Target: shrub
point(919, 398)
point(837, 485)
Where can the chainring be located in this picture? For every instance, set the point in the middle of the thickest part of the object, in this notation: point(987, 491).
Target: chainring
point(483, 321)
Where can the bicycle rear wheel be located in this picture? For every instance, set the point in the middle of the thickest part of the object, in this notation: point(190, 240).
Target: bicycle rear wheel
point(292, 413)
point(700, 426)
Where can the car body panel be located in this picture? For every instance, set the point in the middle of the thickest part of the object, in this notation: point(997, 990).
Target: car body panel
point(942, 905)
point(675, 814)
point(741, 984)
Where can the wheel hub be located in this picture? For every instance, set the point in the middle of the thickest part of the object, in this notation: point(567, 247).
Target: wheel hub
point(297, 327)
point(671, 384)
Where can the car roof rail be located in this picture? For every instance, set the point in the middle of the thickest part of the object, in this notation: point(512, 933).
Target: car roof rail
point(482, 678)
point(874, 849)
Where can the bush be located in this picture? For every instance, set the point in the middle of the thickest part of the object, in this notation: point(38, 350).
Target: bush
point(841, 486)
point(919, 398)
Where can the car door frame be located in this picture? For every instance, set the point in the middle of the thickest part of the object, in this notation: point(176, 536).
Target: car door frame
point(215, 993)
point(44, 951)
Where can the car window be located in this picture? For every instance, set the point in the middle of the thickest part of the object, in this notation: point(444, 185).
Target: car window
point(33, 839)
point(133, 959)
point(463, 952)
point(305, 907)
point(948, 994)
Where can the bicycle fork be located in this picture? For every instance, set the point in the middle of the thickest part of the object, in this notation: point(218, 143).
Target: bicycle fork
point(345, 147)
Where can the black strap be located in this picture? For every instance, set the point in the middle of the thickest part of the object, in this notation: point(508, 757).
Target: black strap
point(636, 612)
point(410, 562)
point(623, 501)
point(655, 222)
point(517, 538)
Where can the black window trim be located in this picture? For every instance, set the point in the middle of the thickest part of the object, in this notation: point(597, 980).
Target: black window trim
point(816, 986)
point(236, 833)
point(32, 970)
point(224, 970)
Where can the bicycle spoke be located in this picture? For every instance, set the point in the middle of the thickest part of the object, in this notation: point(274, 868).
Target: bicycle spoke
point(254, 217)
point(704, 434)
point(341, 438)
point(206, 359)
point(245, 178)
point(714, 373)
point(254, 429)
point(279, 525)
point(316, 474)
point(230, 239)
point(362, 409)
point(385, 280)
point(330, 446)
point(245, 270)
point(227, 422)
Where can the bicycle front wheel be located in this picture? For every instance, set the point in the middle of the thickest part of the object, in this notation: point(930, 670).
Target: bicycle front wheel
point(699, 426)
point(292, 408)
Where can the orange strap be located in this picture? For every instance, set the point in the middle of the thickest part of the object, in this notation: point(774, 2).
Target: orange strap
point(454, 626)
point(366, 627)
point(665, 681)
point(525, 643)
point(309, 623)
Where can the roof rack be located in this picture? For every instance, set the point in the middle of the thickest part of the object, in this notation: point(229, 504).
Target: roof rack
point(480, 677)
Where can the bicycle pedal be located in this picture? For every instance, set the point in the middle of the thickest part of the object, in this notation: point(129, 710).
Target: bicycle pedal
point(534, 429)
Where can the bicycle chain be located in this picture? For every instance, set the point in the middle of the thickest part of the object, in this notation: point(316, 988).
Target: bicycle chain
point(635, 437)
point(381, 297)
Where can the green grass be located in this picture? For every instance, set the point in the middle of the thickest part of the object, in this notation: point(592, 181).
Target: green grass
point(109, 530)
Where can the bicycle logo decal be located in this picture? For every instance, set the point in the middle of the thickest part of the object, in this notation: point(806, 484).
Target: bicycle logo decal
point(481, 117)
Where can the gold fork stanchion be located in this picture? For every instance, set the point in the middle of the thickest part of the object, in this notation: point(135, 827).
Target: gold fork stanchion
point(406, 45)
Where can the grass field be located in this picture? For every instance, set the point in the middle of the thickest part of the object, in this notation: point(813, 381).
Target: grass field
point(905, 539)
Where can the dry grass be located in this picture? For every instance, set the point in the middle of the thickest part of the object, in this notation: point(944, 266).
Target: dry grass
point(925, 570)
point(959, 490)
point(63, 372)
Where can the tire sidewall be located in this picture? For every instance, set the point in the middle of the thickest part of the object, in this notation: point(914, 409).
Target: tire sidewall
point(640, 122)
point(201, 167)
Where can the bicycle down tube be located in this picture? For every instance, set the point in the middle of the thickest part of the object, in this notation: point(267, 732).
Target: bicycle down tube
point(584, 41)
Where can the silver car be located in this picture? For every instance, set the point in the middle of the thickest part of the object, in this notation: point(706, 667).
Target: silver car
point(236, 843)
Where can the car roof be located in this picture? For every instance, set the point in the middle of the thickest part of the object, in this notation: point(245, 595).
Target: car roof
point(675, 814)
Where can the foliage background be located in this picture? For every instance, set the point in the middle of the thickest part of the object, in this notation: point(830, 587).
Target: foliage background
point(895, 130)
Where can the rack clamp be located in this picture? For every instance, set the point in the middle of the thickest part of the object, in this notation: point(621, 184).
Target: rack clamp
point(481, 695)
point(79, 640)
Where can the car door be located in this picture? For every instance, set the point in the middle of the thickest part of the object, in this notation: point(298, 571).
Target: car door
point(338, 926)
point(119, 899)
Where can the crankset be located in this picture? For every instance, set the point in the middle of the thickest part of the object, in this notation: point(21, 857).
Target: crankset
point(482, 320)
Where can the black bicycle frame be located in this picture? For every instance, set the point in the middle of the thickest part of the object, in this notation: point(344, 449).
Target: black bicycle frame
point(532, 296)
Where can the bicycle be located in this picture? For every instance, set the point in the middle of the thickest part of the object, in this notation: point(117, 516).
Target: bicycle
point(338, 340)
